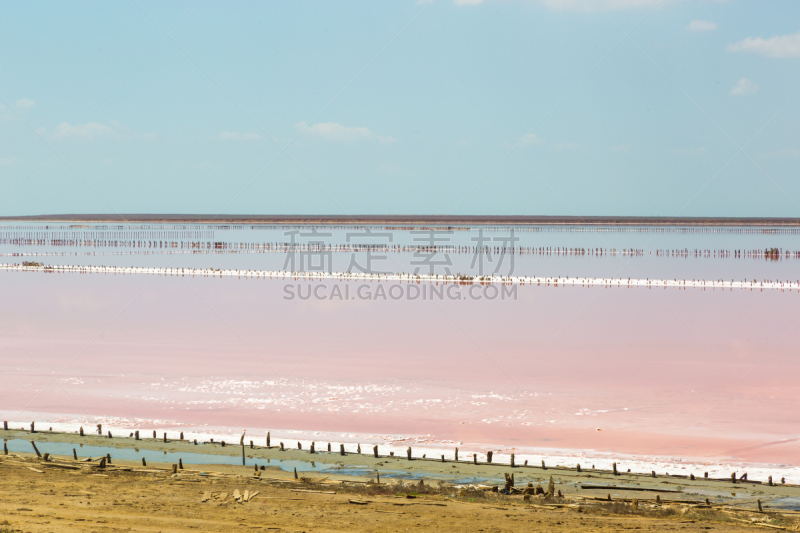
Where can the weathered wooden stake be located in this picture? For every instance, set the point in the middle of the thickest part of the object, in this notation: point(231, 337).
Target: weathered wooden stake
point(475, 458)
point(770, 481)
point(144, 463)
point(379, 477)
point(295, 473)
point(154, 434)
point(691, 476)
point(137, 435)
point(174, 468)
point(180, 463)
point(255, 467)
point(242, 454)
point(375, 451)
point(5, 448)
point(311, 450)
point(165, 436)
point(299, 446)
point(512, 461)
point(74, 454)
point(341, 449)
point(81, 431)
point(108, 458)
point(329, 446)
point(653, 473)
point(102, 462)
point(281, 446)
point(543, 465)
point(99, 429)
point(760, 510)
point(222, 442)
point(5, 425)
point(267, 439)
point(181, 435)
point(615, 469)
point(489, 457)
point(579, 467)
point(109, 435)
point(358, 449)
point(443, 458)
point(658, 499)
point(251, 445)
point(706, 474)
point(456, 454)
point(33, 428)
point(39, 455)
point(733, 477)
point(408, 453)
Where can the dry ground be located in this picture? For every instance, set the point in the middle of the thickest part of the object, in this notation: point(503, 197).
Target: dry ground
point(66, 495)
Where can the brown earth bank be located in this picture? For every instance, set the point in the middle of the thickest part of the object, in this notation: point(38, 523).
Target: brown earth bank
point(413, 220)
point(53, 494)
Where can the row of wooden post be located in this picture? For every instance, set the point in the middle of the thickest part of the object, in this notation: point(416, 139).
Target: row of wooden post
point(312, 449)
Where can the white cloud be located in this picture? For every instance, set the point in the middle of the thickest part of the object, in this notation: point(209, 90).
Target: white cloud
point(744, 88)
point(236, 136)
point(701, 25)
point(786, 152)
point(569, 146)
point(90, 130)
point(622, 148)
point(530, 139)
point(333, 131)
point(778, 46)
point(24, 103)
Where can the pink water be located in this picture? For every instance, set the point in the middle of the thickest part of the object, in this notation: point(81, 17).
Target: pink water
point(699, 375)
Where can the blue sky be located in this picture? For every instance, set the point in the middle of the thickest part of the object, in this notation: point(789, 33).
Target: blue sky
point(597, 107)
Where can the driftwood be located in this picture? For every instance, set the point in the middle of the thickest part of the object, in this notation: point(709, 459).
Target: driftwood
point(643, 489)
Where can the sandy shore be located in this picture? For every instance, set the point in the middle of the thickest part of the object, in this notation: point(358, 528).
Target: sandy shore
point(61, 494)
point(364, 467)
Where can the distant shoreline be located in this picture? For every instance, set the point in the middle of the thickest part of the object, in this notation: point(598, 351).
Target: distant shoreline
point(414, 220)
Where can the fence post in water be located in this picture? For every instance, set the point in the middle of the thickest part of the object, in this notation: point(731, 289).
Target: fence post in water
point(39, 455)
point(144, 463)
point(341, 449)
point(375, 451)
point(408, 453)
point(33, 428)
point(180, 463)
point(136, 435)
point(295, 472)
point(242, 454)
point(489, 457)
point(456, 454)
point(5, 448)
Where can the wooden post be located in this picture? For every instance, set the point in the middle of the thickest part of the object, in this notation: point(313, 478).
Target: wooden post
point(180, 463)
point(255, 467)
point(614, 465)
point(154, 434)
point(489, 457)
point(165, 436)
point(658, 499)
point(543, 465)
point(475, 458)
point(443, 458)
point(137, 435)
point(5, 425)
point(33, 428)
point(770, 481)
point(181, 435)
point(358, 449)
point(378, 474)
point(5, 448)
point(375, 451)
point(408, 453)
point(242, 454)
point(108, 458)
point(109, 435)
point(39, 455)
point(174, 468)
point(195, 442)
point(281, 446)
point(579, 467)
point(691, 476)
point(456, 454)
point(74, 454)
point(733, 477)
point(102, 462)
point(99, 429)
point(760, 510)
point(653, 473)
point(222, 443)
point(311, 450)
point(295, 472)
point(706, 475)
point(512, 461)
point(299, 446)
point(267, 439)
point(144, 463)
point(341, 449)
point(81, 431)
point(329, 446)
point(251, 445)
